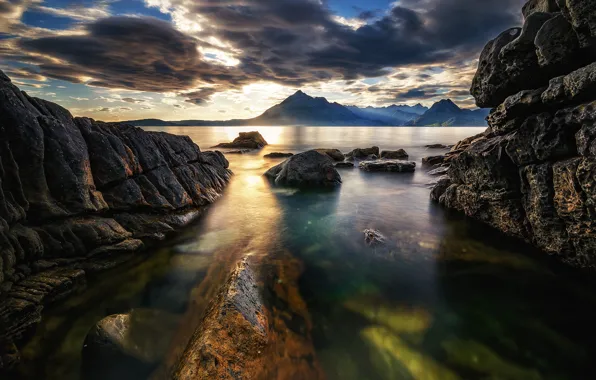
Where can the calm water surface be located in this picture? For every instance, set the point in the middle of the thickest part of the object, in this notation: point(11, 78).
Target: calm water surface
point(446, 298)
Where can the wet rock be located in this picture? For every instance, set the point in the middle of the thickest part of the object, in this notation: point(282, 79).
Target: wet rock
point(248, 140)
point(308, 169)
point(431, 161)
point(334, 154)
point(388, 166)
point(438, 146)
point(362, 154)
point(441, 170)
point(440, 188)
point(399, 154)
point(127, 345)
point(373, 237)
point(344, 165)
point(278, 155)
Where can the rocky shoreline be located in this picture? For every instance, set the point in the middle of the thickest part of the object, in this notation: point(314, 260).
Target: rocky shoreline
point(532, 173)
point(78, 196)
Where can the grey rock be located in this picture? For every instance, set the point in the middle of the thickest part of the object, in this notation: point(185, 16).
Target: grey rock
point(334, 154)
point(557, 46)
point(441, 170)
point(399, 154)
point(363, 153)
point(373, 237)
point(431, 161)
point(388, 166)
point(582, 16)
point(308, 169)
point(548, 6)
point(344, 165)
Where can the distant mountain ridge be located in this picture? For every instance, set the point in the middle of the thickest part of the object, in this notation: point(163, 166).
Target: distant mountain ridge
point(302, 109)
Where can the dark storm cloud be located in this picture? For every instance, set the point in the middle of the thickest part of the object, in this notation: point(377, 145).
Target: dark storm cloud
point(200, 97)
point(291, 42)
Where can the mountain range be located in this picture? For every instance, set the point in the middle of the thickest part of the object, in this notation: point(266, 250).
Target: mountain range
point(302, 109)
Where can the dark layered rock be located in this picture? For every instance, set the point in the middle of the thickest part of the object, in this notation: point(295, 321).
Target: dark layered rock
point(308, 169)
point(248, 140)
point(79, 196)
point(532, 173)
point(388, 166)
point(278, 155)
point(344, 165)
point(399, 154)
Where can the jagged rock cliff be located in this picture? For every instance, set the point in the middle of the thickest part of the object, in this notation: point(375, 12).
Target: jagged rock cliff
point(533, 172)
point(78, 196)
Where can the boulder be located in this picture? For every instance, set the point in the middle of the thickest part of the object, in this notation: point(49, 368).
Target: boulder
point(557, 46)
point(127, 345)
point(248, 140)
point(363, 153)
point(278, 155)
point(582, 16)
point(334, 154)
point(440, 188)
point(388, 166)
point(394, 154)
point(308, 169)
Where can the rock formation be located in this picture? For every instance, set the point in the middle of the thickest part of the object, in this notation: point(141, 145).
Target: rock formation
point(308, 169)
point(388, 166)
point(248, 140)
point(532, 174)
point(78, 196)
point(399, 154)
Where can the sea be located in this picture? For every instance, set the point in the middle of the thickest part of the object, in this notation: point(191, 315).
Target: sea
point(445, 298)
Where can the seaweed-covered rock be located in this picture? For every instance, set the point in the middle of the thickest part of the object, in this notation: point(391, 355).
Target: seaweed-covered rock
point(308, 169)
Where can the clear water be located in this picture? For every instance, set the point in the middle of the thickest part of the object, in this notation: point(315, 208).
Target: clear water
point(446, 298)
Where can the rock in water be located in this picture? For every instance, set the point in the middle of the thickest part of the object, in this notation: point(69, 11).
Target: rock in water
point(364, 154)
point(248, 140)
point(399, 154)
point(308, 169)
point(127, 345)
point(344, 165)
point(532, 173)
point(78, 196)
point(334, 154)
point(373, 237)
point(278, 155)
point(388, 166)
point(431, 161)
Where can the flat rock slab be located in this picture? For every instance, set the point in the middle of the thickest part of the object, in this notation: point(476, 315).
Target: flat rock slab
point(393, 166)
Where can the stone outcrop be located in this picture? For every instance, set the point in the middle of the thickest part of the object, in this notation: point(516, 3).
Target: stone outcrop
point(372, 153)
point(399, 154)
point(79, 196)
point(308, 169)
point(532, 173)
point(334, 154)
point(278, 155)
point(248, 140)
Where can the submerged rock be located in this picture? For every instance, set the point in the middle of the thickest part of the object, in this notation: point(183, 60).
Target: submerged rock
point(249, 140)
point(127, 345)
point(438, 146)
point(373, 237)
point(308, 169)
point(388, 166)
point(278, 155)
point(394, 154)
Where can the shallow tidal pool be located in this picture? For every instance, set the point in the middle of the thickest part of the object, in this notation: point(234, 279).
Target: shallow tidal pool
point(444, 298)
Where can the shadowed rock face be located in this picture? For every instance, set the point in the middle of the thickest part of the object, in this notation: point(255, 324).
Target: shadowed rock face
point(78, 196)
point(532, 173)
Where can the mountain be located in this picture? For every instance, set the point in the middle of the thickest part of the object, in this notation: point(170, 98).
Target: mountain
point(391, 115)
point(302, 109)
point(447, 113)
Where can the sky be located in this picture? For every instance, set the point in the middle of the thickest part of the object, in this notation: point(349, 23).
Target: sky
point(232, 59)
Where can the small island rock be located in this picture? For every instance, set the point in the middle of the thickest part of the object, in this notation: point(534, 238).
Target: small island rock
point(308, 169)
point(364, 153)
point(334, 154)
point(388, 166)
point(278, 155)
point(248, 140)
point(394, 154)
